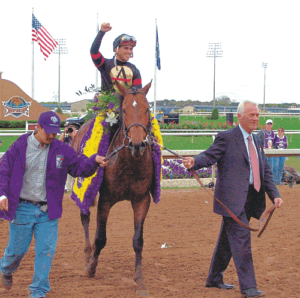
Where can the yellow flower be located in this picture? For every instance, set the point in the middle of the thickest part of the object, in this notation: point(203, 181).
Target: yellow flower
point(91, 147)
point(158, 137)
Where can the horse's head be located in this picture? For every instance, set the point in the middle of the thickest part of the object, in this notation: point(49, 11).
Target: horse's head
point(136, 118)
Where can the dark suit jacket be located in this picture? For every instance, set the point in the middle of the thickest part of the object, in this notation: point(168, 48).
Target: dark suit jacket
point(230, 153)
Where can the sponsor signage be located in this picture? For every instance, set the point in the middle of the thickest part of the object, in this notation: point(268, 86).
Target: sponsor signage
point(16, 106)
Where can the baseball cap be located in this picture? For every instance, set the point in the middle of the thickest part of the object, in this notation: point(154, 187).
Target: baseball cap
point(50, 122)
point(269, 121)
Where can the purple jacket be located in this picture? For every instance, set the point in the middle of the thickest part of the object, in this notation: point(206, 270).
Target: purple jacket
point(12, 169)
point(281, 143)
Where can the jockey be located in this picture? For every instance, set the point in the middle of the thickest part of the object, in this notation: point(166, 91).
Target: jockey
point(117, 68)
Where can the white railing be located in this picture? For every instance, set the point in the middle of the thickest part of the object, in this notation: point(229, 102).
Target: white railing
point(235, 113)
point(185, 153)
point(269, 152)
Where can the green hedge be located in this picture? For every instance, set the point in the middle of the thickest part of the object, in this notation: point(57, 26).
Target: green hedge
point(20, 124)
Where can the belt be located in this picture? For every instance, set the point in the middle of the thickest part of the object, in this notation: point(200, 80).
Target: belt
point(35, 203)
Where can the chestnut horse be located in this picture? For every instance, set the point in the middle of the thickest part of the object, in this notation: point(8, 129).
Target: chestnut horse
point(128, 176)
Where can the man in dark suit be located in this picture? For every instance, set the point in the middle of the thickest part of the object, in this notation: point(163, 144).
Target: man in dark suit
point(243, 178)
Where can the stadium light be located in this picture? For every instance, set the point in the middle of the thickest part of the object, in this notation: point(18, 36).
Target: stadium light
point(215, 51)
point(264, 65)
point(60, 49)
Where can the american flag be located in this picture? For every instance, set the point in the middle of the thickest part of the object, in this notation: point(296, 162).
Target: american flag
point(39, 34)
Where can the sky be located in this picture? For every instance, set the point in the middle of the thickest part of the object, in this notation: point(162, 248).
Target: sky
point(251, 32)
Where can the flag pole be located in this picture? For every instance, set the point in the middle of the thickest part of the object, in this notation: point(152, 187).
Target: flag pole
point(97, 30)
point(155, 66)
point(32, 78)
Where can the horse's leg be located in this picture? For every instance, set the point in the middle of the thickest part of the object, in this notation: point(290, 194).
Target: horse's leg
point(85, 220)
point(140, 212)
point(100, 238)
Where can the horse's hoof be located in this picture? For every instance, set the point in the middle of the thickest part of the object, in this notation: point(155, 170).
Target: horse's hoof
point(90, 271)
point(142, 292)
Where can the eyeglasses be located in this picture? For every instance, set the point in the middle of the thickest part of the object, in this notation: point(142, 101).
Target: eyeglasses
point(269, 123)
point(127, 39)
point(279, 130)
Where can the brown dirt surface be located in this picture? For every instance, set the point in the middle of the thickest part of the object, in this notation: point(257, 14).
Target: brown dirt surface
point(185, 222)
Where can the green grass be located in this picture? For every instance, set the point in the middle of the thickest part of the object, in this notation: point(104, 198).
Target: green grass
point(6, 143)
point(185, 143)
point(203, 142)
point(287, 122)
point(293, 161)
point(175, 142)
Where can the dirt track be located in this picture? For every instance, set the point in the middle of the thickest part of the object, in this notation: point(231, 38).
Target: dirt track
point(184, 221)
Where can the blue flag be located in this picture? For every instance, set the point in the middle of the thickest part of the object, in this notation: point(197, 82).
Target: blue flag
point(157, 50)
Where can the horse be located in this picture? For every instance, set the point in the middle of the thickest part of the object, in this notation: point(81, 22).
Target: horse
point(128, 176)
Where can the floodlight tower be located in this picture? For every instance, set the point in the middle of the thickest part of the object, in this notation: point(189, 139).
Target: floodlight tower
point(60, 49)
point(215, 51)
point(264, 65)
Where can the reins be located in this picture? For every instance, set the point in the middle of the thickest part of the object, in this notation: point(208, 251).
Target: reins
point(269, 212)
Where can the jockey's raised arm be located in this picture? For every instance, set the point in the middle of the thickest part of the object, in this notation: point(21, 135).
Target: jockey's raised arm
point(117, 68)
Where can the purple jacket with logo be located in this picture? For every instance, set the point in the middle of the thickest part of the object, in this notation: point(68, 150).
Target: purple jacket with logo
point(281, 143)
point(62, 160)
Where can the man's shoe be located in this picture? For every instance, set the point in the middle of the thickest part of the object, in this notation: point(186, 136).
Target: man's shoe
point(252, 292)
point(7, 281)
point(222, 286)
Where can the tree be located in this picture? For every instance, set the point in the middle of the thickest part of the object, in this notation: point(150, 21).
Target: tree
point(223, 100)
point(59, 111)
point(214, 114)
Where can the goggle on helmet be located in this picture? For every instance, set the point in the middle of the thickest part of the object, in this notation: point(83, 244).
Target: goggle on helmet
point(123, 40)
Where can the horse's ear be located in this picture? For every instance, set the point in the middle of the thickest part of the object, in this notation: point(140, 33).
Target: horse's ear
point(146, 88)
point(121, 88)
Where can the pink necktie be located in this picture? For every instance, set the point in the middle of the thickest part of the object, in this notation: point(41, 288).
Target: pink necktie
point(254, 164)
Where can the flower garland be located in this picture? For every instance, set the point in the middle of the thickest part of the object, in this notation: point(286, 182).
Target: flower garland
point(96, 140)
point(157, 136)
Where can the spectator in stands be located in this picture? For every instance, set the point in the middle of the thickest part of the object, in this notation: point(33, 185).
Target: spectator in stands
point(0, 142)
point(267, 139)
point(281, 142)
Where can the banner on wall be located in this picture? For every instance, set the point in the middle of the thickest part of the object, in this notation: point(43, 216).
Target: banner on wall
point(16, 106)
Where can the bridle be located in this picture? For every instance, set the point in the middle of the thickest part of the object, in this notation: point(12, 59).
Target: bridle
point(149, 138)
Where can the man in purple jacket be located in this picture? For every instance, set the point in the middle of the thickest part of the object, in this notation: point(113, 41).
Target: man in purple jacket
point(33, 173)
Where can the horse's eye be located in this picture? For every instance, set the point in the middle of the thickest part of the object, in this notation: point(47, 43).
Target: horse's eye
point(123, 111)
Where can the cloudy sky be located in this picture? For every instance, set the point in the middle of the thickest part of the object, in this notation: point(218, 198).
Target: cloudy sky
point(251, 32)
